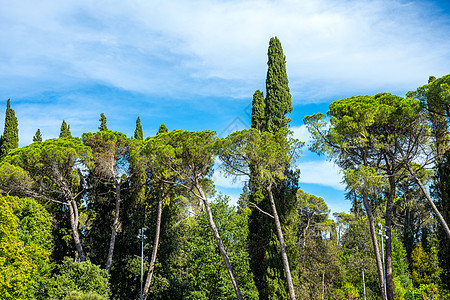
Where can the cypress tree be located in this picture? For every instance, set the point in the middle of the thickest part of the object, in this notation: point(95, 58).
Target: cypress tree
point(269, 114)
point(163, 129)
point(278, 97)
point(102, 120)
point(65, 130)
point(138, 133)
point(258, 110)
point(37, 136)
point(10, 138)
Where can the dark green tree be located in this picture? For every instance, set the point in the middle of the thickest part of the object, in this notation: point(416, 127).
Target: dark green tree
point(271, 116)
point(258, 111)
point(102, 120)
point(441, 191)
point(37, 136)
point(65, 130)
point(111, 151)
point(163, 129)
point(138, 133)
point(278, 97)
point(10, 137)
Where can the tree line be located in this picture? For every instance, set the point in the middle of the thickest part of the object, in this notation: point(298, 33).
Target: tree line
point(74, 211)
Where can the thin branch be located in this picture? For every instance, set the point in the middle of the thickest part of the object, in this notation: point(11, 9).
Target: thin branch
point(262, 211)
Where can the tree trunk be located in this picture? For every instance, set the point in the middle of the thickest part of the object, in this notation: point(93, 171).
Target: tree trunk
point(73, 211)
point(219, 242)
point(373, 235)
point(435, 210)
point(284, 257)
point(388, 251)
point(148, 281)
point(115, 227)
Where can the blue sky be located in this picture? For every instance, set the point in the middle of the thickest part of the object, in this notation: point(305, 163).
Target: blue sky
point(195, 64)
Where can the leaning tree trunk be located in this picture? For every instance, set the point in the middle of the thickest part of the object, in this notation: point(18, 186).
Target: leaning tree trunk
point(148, 281)
point(219, 242)
point(115, 228)
point(373, 235)
point(73, 211)
point(433, 206)
point(284, 257)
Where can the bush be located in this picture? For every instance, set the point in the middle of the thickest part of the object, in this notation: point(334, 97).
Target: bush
point(87, 280)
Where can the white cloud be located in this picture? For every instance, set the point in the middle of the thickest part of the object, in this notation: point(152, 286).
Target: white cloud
point(321, 172)
point(221, 180)
point(301, 133)
point(175, 47)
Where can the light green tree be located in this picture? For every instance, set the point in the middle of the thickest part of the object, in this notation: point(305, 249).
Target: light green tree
point(25, 248)
point(75, 278)
point(51, 171)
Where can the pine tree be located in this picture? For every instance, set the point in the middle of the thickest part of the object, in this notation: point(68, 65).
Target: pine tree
point(10, 138)
point(278, 97)
point(102, 120)
point(138, 133)
point(258, 107)
point(37, 136)
point(65, 130)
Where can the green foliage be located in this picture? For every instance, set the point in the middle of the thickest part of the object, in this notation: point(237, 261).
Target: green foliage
point(357, 257)
point(441, 192)
point(65, 130)
point(138, 132)
point(83, 277)
point(37, 136)
point(102, 120)
point(163, 129)
point(10, 137)
point(76, 295)
point(278, 97)
point(268, 154)
point(25, 248)
point(348, 291)
point(210, 277)
point(425, 269)
point(435, 97)
point(111, 170)
point(47, 164)
point(258, 111)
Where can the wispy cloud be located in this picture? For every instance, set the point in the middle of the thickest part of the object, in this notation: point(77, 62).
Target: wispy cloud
point(323, 173)
point(175, 47)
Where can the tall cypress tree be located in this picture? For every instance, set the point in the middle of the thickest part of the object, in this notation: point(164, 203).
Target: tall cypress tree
point(138, 132)
point(37, 136)
point(269, 114)
point(65, 130)
point(10, 138)
point(278, 97)
point(102, 120)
